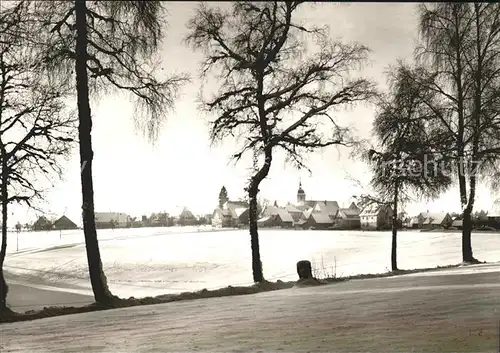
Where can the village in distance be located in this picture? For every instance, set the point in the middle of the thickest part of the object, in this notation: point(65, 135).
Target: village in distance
point(304, 214)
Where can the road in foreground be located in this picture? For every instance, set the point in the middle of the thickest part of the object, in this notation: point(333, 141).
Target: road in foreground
point(444, 312)
point(23, 297)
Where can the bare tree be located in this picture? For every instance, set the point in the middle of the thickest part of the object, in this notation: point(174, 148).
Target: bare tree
point(400, 162)
point(460, 52)
point(35, 129)
point(279, 84)
point(116, 42)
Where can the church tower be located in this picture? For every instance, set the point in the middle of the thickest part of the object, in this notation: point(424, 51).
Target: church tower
point(301, 195)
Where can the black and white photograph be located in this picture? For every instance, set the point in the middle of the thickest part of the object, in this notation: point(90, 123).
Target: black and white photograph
point(249, 176)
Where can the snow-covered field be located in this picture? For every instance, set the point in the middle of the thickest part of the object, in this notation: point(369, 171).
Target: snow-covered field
point(153, 261)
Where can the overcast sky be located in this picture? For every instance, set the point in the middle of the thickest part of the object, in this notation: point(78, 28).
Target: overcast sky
point(135, 177)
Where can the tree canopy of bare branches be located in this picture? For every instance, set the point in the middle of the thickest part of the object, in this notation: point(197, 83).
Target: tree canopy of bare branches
point(36, 130)
point(279, 85)
point(123, 39)
point(459, 55)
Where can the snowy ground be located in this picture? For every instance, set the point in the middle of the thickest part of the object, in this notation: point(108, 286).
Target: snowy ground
point(154, 261)
point(24, 297)
point(444, 311)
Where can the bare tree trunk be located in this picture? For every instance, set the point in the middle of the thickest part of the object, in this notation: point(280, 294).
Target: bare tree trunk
point(394, 247)
point(467, 255)
point(4, 290)
point(253, 190)
point(258, 275)
point(97, 277)
point(462, 181)
point(3, 250)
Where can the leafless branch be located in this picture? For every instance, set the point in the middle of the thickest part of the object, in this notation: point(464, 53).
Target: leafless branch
point(123, 40)
point(268, 97)
point(36, 129)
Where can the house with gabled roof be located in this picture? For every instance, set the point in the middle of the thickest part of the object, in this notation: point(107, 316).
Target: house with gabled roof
point(348, 218)
point(318, 220)
point(330, 208)
point(414, 222)
point(231, 215)
point(42, 224)
point(327, 208)
point(161, 219)
point(307, 213)
point(434, 220)
point(187, 218)
point(274, 216)
point(239, 211)
point(376, 217)
point(457, 223)
point(64, 223)
point(295, 212)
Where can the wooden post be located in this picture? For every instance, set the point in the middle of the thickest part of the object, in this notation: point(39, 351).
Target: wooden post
point(304, 269)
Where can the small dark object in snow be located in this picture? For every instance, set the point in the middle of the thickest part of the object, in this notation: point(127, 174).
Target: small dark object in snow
point(304, 269)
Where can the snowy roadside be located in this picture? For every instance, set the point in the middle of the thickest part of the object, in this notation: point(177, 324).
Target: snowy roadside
point(31, 293)
point(444, 312)
point(25, 297)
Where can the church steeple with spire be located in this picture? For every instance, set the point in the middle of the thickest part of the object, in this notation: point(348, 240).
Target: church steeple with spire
point(301, 195)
